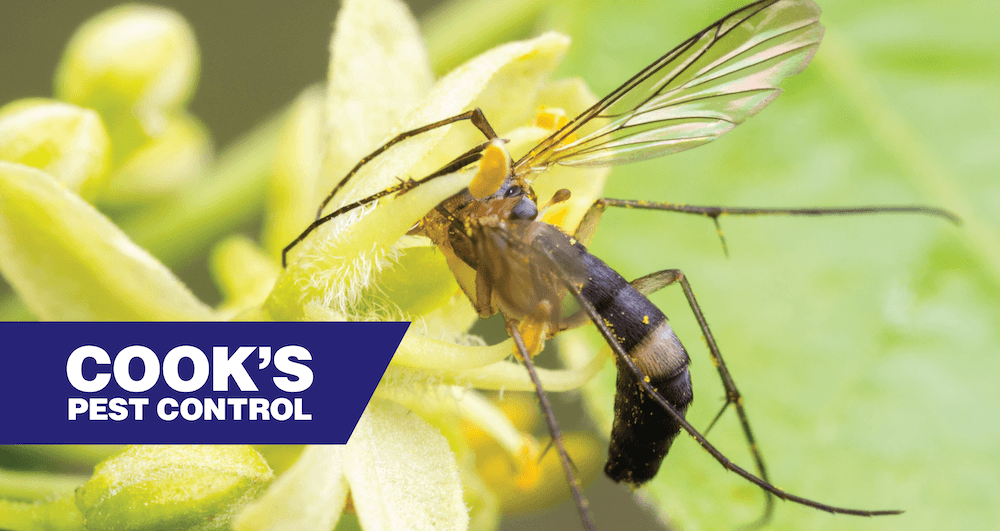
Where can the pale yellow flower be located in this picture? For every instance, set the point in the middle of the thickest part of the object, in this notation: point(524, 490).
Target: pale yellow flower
point(407, 461)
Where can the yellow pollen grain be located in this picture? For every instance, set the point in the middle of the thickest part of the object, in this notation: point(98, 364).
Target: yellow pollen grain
point(550, 118)
point(553, 119)
point(529, 471)
point(556, 216)
point(493, 169)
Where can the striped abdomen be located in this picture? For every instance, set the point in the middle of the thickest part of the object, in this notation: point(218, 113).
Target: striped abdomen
point(642, 430)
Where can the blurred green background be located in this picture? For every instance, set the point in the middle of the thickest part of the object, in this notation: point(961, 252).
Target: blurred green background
point(866, 348)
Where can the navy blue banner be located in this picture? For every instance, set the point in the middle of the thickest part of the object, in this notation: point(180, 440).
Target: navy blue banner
point(190, 383)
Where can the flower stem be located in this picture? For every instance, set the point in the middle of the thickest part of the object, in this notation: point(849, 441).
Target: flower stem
point(80, 457)
point(220, 203)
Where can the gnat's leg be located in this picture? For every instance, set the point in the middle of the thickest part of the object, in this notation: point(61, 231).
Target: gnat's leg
point(627, 363)
point(654, 282)
point(475, 116)
point(586, 229)
point(462, 161)
point(550, 419)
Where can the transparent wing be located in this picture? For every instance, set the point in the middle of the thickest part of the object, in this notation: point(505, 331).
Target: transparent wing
point(693, 94)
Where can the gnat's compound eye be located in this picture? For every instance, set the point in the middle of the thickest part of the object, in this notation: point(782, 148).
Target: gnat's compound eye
point(525, 209)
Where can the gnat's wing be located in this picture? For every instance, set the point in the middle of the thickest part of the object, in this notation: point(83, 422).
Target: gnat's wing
point(515, 260)
point(693, 94)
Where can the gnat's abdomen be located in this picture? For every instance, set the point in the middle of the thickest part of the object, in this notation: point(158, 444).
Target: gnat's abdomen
point(642, 430)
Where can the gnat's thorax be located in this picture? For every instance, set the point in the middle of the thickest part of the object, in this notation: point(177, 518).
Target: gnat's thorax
point(496, 194)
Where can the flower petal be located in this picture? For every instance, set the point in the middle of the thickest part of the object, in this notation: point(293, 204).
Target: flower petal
point(243, 272)
point(502, 81)
point(511, 376)
point(572, 96)
point(379, 71)
point(402, 473)
point(291, 188)
point(337, 264)
point(415, 294)
point(522, 495)
point(69, 262)
point(451, 402)
point(172, 160)
point(422, 352)
point(310, 496)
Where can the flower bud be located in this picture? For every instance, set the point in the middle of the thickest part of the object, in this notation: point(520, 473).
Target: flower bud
point(172, 487)
point(65, 141)
point(181, 154)
point(133, 64)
